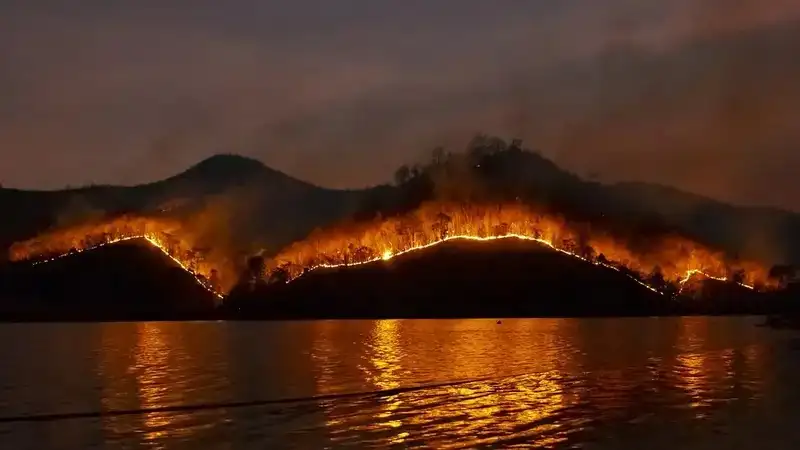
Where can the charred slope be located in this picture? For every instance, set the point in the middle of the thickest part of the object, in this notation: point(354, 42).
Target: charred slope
point(124, 281)
point(455, 279)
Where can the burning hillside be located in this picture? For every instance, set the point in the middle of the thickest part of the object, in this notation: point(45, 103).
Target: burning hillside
point(668, 260)
point(129, 280)
point(169, 236)
point(659, 264)
point(458, 278)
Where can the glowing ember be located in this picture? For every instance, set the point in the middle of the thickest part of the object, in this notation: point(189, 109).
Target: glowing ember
point(674, 258)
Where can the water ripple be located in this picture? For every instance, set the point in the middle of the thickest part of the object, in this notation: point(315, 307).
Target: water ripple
point(602, 383)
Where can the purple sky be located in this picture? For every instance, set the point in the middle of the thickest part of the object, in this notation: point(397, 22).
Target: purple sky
point(699, 94)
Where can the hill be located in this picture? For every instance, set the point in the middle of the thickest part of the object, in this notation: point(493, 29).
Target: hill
point(269, 209)
point(454, 279)
point(239, 193)
point(491, 170)
point(125, 281)
point(131, 280)
point(504, 278)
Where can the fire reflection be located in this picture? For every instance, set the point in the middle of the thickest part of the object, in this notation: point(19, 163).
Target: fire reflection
point(480, 383)
point(119, 389)
point(526, 384)
point(384, 355)
point(706, 370)
point(151, 359)
point(150, 365)
point(383, 374)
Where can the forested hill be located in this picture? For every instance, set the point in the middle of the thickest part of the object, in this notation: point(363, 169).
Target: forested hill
point(260, 204)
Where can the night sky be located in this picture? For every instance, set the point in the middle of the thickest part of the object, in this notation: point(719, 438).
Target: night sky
point(700, 94)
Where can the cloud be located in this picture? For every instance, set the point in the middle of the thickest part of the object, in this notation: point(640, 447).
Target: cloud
point(340, 93)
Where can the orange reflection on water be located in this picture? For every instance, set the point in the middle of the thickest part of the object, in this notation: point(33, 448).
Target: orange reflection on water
point(117, 385)
point(384, 355)
point(409, 353)
point(704, 371)
point(323, 353)
point(150, 365)
point(151, 356)
point(384, 362)
point(524, 389)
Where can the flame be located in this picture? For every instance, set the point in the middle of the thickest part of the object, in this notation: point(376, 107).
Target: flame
point(678, 259)
point(166, 235)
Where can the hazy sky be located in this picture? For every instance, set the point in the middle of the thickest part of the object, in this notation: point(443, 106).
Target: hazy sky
point(699, 94)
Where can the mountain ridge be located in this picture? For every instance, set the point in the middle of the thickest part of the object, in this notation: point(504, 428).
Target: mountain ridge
point(252, 195)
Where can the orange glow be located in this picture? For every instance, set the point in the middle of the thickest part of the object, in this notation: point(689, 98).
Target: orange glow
point(166, 235)
point(679, 259)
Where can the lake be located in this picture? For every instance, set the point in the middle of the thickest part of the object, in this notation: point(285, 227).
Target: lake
point(695, 382)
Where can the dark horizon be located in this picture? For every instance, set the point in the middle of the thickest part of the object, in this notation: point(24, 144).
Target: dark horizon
point(340, 95)
point(388, 181)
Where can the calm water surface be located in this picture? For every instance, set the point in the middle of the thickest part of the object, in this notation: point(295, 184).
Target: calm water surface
point(564, 383)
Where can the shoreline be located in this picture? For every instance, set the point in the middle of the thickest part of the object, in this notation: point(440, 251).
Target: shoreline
point(228, 318)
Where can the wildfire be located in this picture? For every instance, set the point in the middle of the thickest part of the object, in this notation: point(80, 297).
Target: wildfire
point(676, 259)
point(163, 234)
point(671, 259)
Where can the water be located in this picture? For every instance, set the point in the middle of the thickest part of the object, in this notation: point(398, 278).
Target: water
point(571, 383)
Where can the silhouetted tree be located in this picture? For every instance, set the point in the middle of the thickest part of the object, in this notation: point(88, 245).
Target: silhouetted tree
point(254, 272)
point(402, 175)
point(477, 149)
point(502, 229)
point(482, 230)
point(585, 250)
point(588, 252)
point(495, 145)
point(670, 289)
point(437, 156)
point(569, 245)
point(213, 280)
point(656, 278)
point(256, 265)
point(441, 225)
point(782, 273)
point(363, 253)
point(737, 276)
point(192, 257)
point(601, 258)
point(279, 275)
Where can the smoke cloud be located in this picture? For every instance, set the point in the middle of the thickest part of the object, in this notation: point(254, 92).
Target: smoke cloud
point(699, 94)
